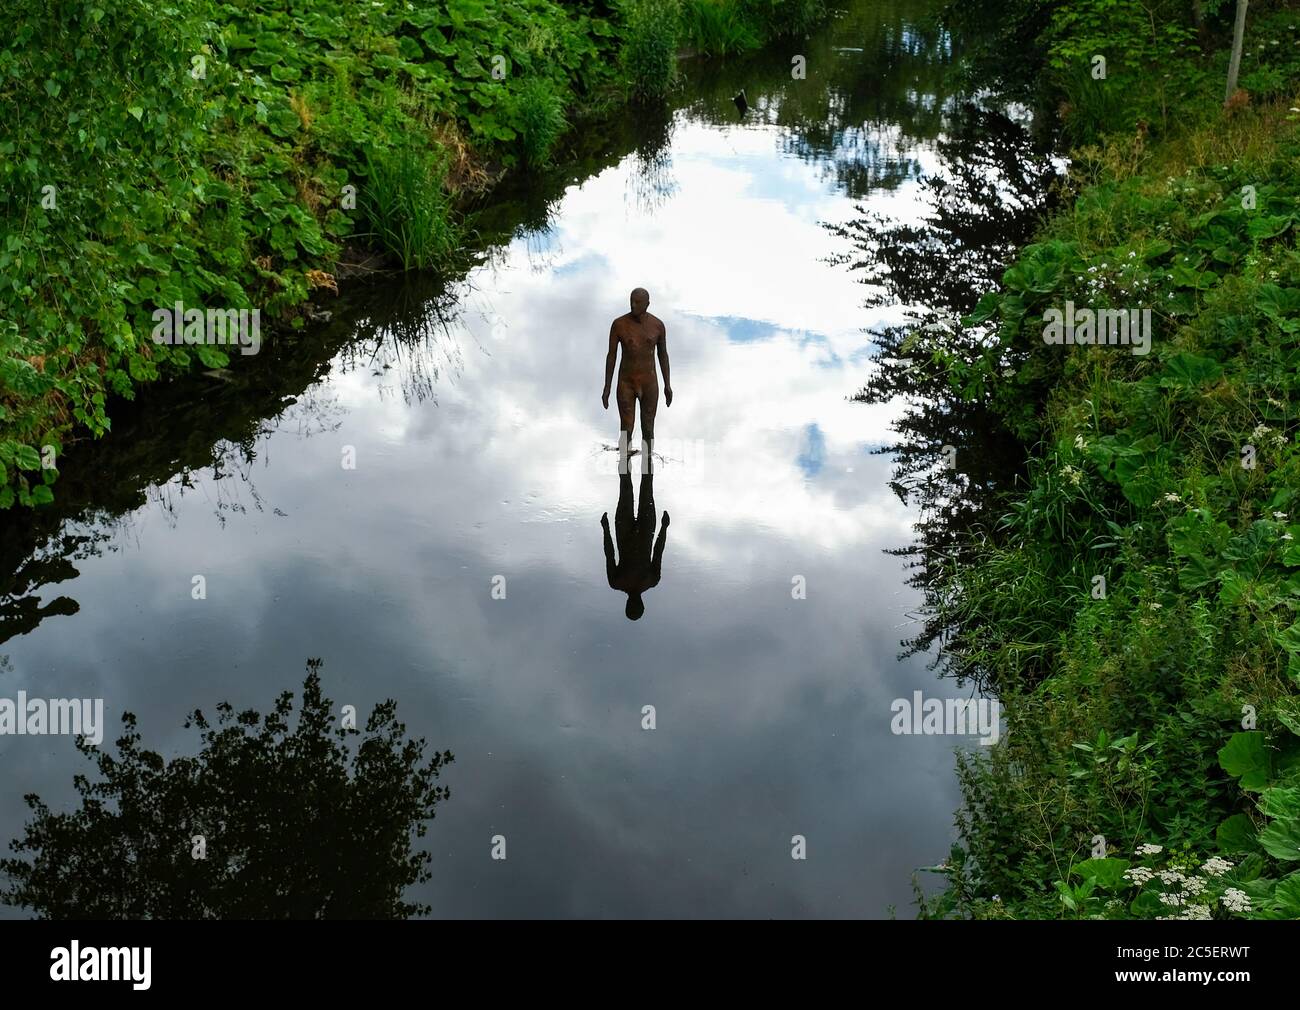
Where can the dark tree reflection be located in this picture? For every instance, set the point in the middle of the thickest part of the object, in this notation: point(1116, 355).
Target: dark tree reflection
point(984, 204)
point(299, 821)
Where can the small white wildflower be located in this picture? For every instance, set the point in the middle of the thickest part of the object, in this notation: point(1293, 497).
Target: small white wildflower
point(1149, 849)
point(1156, 606)
point(1172, 498)
point(1235, 900)
point(1196, 912)
point(1138, 875)
point(1279, 515)
point(1193, 885)
point(1287, 536)
point(1172, 899)
point(1072, 474)
point(1279, 441)
point(1171, 876)
point(1260, 431)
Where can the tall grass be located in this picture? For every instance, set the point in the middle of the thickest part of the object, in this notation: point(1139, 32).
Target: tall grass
point(539, 120)
point(774, 19)
point(649, 55)
point(407, 206)
point(1091, 106)
point(718, 28)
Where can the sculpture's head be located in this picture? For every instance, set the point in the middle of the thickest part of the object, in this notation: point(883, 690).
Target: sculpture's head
point(635, 607)
point(640, 302)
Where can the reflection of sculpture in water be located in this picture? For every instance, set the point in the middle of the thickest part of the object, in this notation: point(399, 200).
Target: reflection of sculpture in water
point(639, 566)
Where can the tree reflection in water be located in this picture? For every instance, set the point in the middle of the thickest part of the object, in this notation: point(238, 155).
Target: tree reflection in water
point(983, 205)
point(302, 821)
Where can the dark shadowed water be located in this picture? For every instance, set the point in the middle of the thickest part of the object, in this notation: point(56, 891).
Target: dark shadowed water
point(482, 459)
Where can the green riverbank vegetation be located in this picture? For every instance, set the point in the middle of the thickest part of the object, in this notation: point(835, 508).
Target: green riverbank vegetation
point(1134, 598)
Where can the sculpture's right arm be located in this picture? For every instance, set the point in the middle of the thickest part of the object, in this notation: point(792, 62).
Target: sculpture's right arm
point(610, 359)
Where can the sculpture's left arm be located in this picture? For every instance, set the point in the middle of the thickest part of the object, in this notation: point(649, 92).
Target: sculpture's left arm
point(662, 349)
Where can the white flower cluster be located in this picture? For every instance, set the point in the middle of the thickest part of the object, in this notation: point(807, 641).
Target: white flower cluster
point(1191, 912)
point(1216, 866)
point(1138, 875)
point(1235, 900)
point(1149, 849)
point(1262, 431)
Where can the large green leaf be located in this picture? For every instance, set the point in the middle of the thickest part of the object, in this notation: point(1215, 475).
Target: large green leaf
point(1196, 533)
point(1281, 802)
point(1288, 713)
point(1245, 757)
point(1236, 834)
point(1281, 839)
point(1287, 896)
point(1277, 302)
point(1108, 873)
point(1189, 371)
point(1268, 227)
point(1290, 639)
point(27, 458)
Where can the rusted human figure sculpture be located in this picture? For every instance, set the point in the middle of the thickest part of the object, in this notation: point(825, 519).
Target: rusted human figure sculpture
point(642, 337)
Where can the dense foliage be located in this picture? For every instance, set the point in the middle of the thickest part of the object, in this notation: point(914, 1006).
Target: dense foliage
point(1134, 600)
